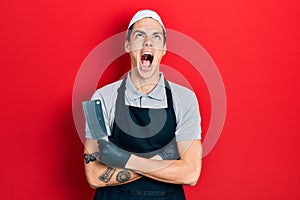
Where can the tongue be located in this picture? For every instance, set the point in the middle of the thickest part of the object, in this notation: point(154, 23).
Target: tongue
point(146, 63)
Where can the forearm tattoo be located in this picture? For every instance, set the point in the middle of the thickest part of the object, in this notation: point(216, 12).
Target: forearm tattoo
point(107, 174)
point(123, 176)
point(90, 157)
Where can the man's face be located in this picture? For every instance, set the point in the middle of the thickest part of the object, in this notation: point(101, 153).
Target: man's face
point(146, 47)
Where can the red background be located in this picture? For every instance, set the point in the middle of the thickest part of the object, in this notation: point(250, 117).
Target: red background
point(255, 45)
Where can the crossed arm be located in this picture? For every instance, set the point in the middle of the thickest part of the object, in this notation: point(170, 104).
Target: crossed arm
point(186, 170)
point(100, 175)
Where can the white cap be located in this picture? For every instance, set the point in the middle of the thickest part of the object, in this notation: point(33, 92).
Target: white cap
point(146, 13)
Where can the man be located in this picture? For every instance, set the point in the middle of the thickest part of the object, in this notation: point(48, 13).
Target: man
point(144, 114)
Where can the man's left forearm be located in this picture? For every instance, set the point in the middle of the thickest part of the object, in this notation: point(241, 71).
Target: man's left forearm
point(183, 171)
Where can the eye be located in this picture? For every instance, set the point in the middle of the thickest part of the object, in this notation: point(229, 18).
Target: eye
point(139, 35)
point(157, 37)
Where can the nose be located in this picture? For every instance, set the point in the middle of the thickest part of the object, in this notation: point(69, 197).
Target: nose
point(148, 42)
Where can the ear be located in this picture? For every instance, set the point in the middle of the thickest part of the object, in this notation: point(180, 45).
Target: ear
point(127, 46)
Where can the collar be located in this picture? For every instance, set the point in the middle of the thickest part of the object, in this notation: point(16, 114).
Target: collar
point(157, 93)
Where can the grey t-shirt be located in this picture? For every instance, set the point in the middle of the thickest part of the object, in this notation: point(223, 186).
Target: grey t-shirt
point(185, 106)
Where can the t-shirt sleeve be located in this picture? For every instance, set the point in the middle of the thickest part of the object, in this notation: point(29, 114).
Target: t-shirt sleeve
point(188, 124)
point(107, 95)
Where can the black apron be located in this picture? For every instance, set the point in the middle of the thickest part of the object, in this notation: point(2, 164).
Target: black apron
point(143, 188)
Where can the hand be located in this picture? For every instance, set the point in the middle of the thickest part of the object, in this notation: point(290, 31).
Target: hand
point(111, 155)
point(169, 152)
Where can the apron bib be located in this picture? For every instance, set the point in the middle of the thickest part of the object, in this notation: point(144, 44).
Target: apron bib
point(150, 130)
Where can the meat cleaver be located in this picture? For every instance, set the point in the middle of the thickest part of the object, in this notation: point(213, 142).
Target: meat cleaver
point(95, 120)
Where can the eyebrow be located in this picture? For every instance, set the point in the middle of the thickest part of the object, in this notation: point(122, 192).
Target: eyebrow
point(157, 32)
point(143, 32)
point(139, 31)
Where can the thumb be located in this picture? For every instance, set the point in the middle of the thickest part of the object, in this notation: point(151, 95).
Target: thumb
point(102, 144)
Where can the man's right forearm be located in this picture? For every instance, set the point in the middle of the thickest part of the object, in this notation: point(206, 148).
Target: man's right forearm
point(99, 175)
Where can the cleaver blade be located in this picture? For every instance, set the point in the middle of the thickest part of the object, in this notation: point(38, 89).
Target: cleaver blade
point(94, 117)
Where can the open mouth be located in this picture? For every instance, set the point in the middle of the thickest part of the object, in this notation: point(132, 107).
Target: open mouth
point(146, 59)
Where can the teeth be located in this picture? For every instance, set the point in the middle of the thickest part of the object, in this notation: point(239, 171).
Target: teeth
point(147, 53)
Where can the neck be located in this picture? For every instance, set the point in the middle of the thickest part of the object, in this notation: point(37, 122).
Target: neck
point(144, 86)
